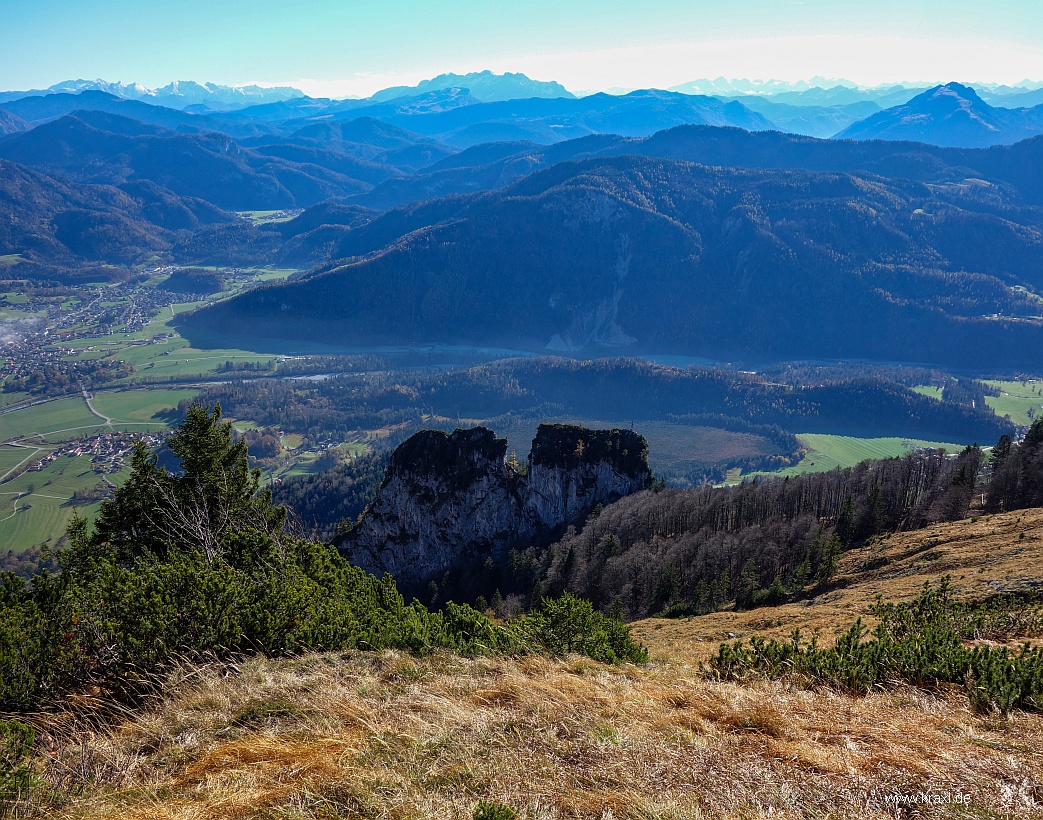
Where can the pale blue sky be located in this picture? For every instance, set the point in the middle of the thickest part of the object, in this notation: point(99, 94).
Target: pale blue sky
point(338, 47)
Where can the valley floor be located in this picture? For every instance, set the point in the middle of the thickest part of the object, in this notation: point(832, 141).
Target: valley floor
point(392, 736)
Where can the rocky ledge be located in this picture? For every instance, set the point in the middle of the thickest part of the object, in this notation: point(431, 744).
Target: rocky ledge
point(452, 497)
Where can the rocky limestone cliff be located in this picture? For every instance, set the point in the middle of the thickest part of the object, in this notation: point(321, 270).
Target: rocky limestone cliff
point(450, 498)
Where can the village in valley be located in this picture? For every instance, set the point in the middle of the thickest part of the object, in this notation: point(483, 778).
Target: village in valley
point(86, 370)
point(108, 451)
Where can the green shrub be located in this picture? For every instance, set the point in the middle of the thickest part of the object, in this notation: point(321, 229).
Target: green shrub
point(16, 746)
point(569, 624)
point(924, 642)
point(493, 811)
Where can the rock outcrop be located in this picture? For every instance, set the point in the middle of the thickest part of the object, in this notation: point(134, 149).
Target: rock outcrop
point(448, 498)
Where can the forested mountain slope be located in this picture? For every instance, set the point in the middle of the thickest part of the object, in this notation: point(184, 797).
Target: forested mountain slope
point(96, 147)
point(653, 255)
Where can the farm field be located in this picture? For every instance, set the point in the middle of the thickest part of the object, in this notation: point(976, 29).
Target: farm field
point(69, 414)
point(169, 358)
point(275, 274)
point(14, 397)
point(11, 457)
point(1016, 399)
point(298, 464)
point(292, 441)
point(354, 448)
point(827, 452)
point(35, 507)
point(175, 359)
point(141, 405)
point(928, 390)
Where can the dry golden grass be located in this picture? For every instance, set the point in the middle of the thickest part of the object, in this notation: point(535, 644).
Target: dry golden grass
point(984, 557)
point(391, 736)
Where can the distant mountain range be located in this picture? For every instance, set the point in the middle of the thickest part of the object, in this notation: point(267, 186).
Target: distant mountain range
point(819, 90)
point(462, 110)
point(42, 109)
point(179, 94)
point(808, 120)
point(488, 167)
point(57, 224)
point(655, 221)
point(464, 122)
point(950, 115)
point(373, 166)
point(452, 116)
point(483, 85)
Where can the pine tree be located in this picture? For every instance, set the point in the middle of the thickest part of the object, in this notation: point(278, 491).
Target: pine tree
point(128, 522)
point(846, 521)
point(830, 555)
point(749, 584)
point(215, 495)
point(1000, 451)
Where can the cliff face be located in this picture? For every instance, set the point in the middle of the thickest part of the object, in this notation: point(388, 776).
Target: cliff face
point(447, 498)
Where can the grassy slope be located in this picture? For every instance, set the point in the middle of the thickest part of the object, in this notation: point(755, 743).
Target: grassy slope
point(826, 452)
point(388, 735)
point(1016, 399)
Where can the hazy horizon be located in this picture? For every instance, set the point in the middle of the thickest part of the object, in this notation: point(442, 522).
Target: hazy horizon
point(330, 49)
point(771, 85)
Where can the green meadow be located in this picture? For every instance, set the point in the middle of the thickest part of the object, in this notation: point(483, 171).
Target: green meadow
point(1017, 399)
point(69, 415)
point(140, 406)
point(927, 390)
point(35, 507)
point(14, 397)
point(12, 457)
point(827, 452)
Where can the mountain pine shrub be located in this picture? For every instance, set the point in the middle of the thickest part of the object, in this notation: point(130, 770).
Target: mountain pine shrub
point(568, 624)
point(928, 642)
point(16, 746)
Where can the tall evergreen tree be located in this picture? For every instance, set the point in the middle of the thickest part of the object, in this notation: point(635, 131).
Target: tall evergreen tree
point(215, 495)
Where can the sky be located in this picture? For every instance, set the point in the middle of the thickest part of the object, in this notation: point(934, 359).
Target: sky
point(355, 47)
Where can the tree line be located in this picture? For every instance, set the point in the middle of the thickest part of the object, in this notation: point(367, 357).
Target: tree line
point(688, 551)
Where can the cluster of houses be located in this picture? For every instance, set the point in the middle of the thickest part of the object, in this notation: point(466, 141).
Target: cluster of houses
point(108, 451)
point(22, 358)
